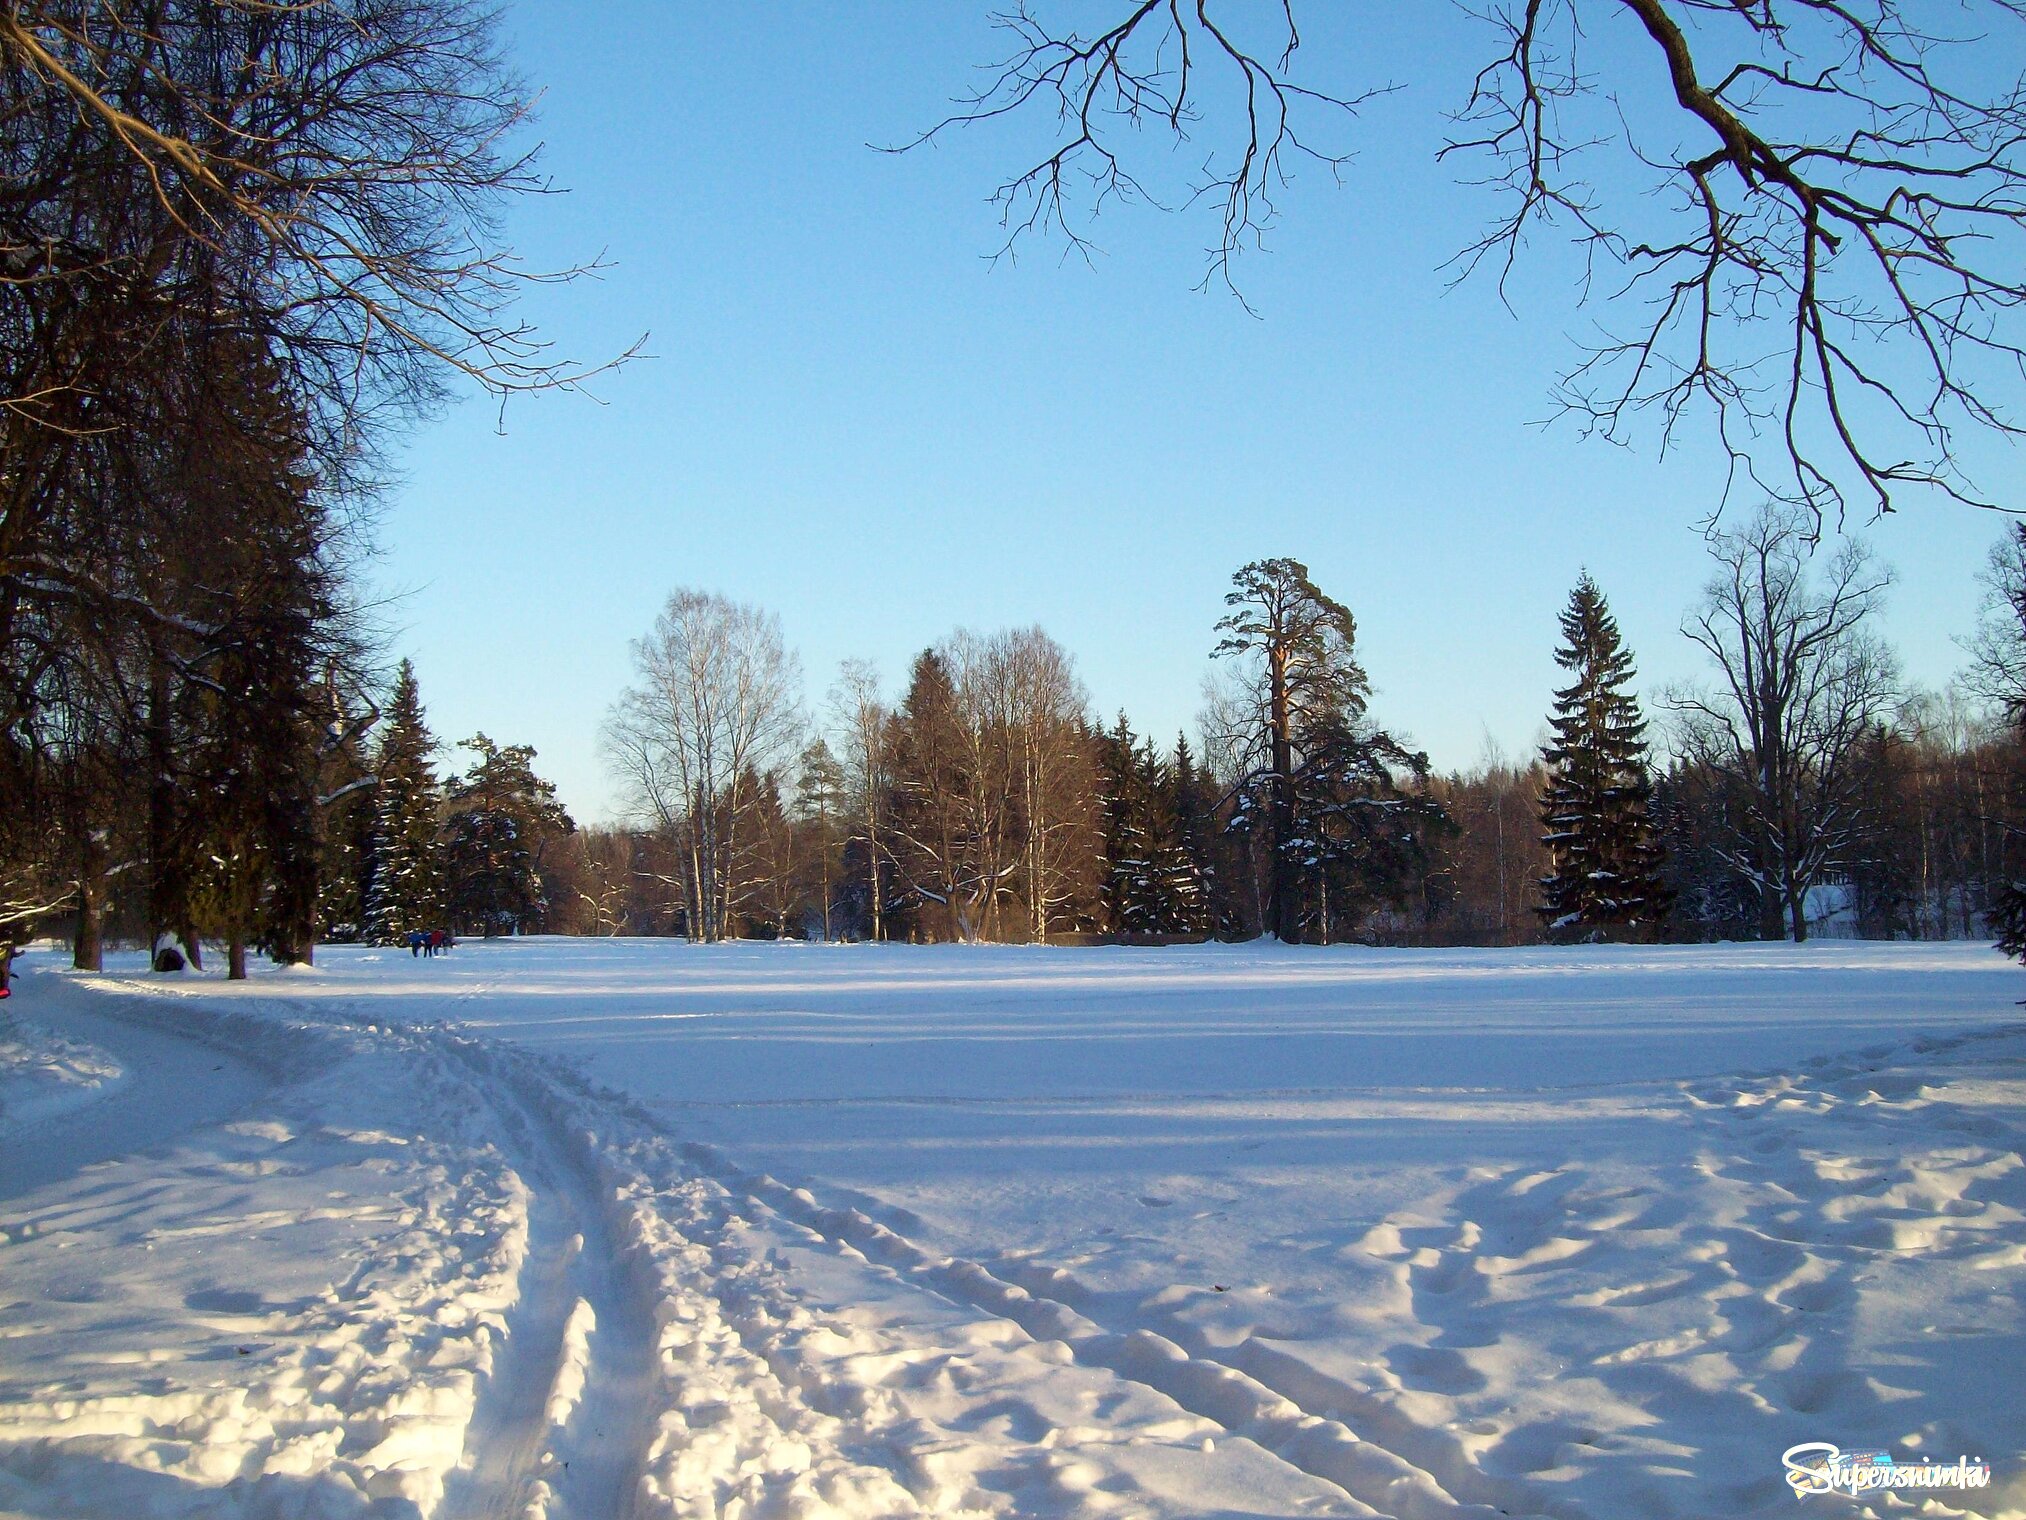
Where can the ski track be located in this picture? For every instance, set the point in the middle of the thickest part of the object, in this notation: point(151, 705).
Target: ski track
point(559, 1430)
point(1366, 1443)
point(360, 1269)
point(1261, 1398)
point(1241, 1401)
point(560, 1418)
point(657, 1362)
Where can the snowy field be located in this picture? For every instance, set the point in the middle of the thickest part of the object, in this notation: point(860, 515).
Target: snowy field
point(594, 1229)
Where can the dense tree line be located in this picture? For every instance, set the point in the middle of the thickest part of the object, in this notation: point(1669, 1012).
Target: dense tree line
point(240, 244)
point(983, 800)
point(396, 844)
point(1800, 790)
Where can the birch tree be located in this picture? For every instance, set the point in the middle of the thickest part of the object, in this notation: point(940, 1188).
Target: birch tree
point(1047, 711)
point(715, 704)
point(994, 776)
point(862, 718)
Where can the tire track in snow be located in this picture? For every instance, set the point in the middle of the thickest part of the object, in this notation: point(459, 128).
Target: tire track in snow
point(1239, 1400)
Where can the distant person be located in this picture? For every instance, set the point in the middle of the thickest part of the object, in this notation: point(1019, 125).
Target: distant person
point(415, 938)
point(438, 940)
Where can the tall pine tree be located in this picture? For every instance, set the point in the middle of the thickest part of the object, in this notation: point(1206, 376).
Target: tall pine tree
point(821, 795)
point(346, 787)
point(1345, 807)
point(1596, 807)
point(407, 868)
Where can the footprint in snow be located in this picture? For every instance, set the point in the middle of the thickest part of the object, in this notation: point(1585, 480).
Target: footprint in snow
point(1156, 1201)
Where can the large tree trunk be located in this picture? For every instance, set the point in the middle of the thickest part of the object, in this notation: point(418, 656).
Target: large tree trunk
point(164, 916)
point(1772, 913)
point(1284, 907)
point(298, 883)
point(294, 926)
point(1772, 886)
point(235, 967)
point(87, 947)
point(168, 878)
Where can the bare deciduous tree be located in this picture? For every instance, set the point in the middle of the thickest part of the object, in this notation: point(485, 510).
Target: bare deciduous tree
point(345, 158)
point(978, 862)
point(1807, 217)
point(715, 705)
point(1046, 710)
point(861, 717)
point(1801, 683)
point(994, 786)
point(1998, 651)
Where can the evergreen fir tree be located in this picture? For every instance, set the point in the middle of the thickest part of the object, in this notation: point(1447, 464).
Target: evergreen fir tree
point(1151, 884)
point(346, 787)
point(1179, 869)
point(761, 870)
point(1366, 821)
point(1604, 882)
point(502, 819)
point(407, 870)
point(1128, 889)
point(927, 849)
point(1196, 838)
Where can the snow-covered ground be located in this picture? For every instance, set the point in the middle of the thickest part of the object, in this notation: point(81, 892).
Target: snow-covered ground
point(44, 1074)
point(593, 1229)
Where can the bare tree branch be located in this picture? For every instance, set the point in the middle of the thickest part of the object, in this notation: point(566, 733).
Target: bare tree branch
point(1822, 262)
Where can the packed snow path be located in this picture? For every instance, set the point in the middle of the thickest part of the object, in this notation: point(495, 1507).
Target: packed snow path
point(599, 1230)
point(109, 1087)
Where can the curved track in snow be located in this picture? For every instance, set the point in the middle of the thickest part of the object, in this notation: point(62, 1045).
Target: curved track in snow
point(170, 1083)
point(472, 1284)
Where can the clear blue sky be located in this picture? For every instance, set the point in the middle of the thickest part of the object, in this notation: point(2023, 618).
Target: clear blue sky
point(855, 419)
